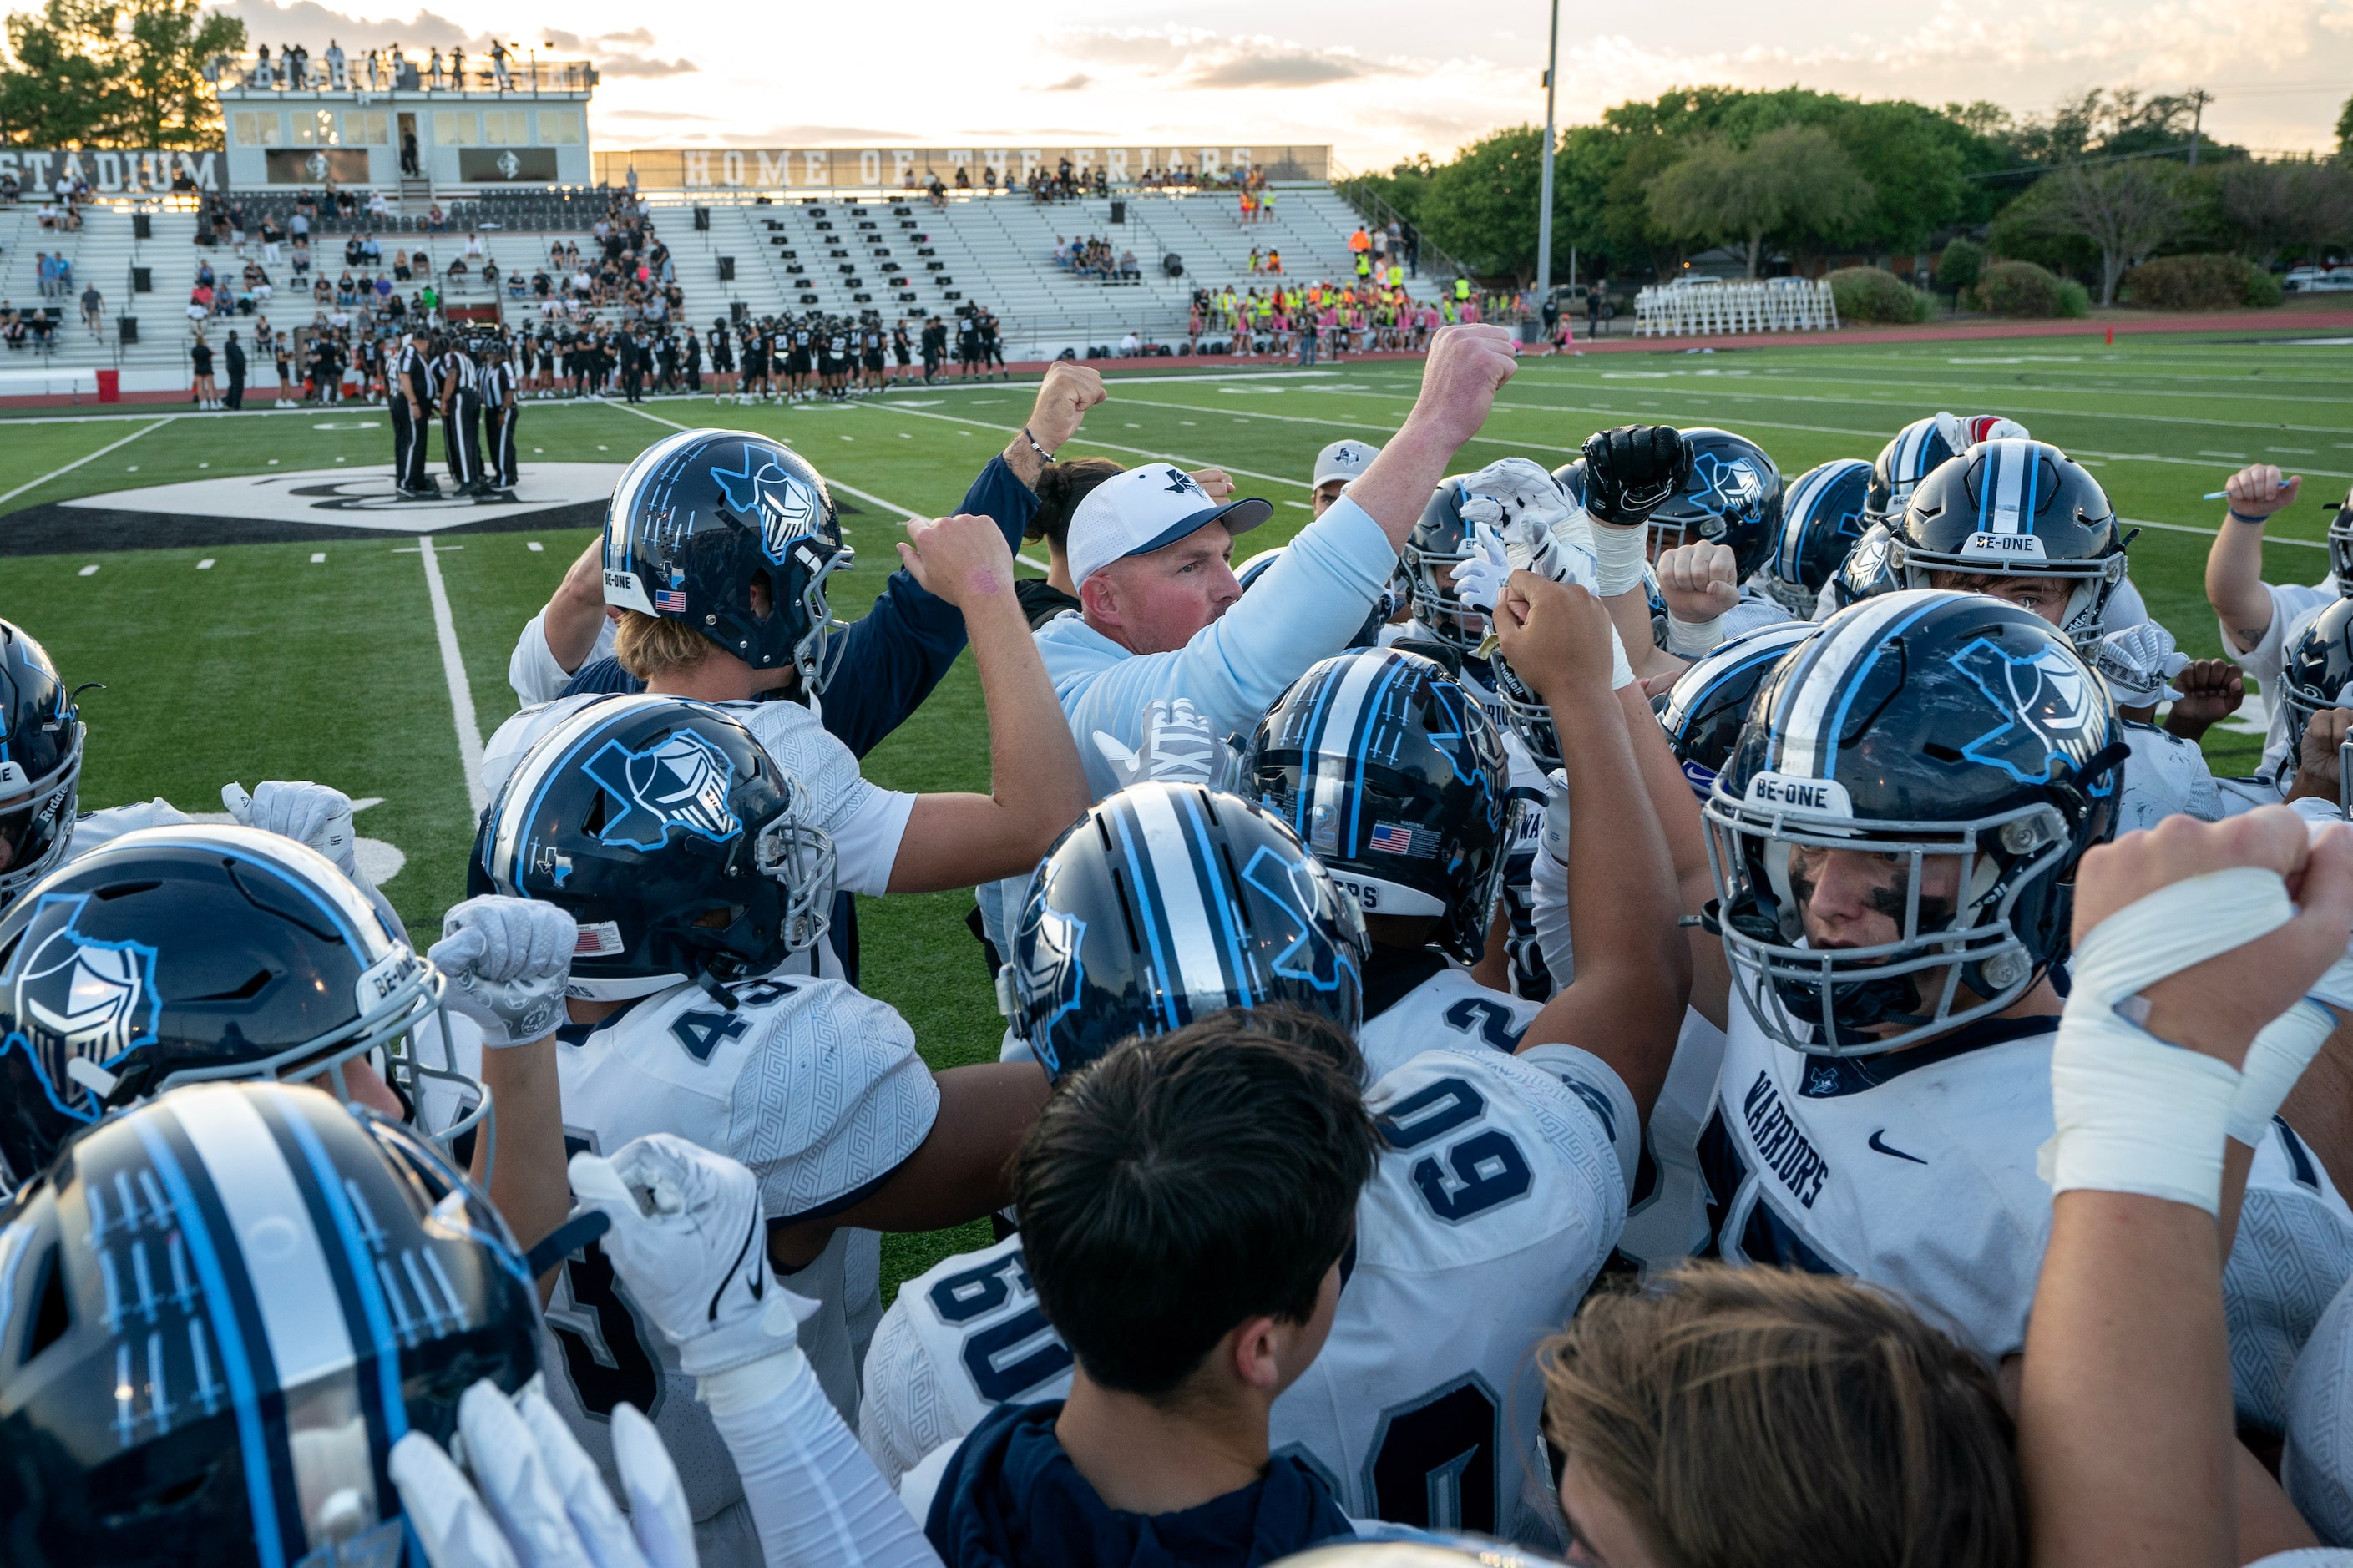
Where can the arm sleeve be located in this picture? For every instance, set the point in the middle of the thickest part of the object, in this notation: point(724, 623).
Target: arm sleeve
point(1307, 607)
point(881, 668)
point(814, 1496)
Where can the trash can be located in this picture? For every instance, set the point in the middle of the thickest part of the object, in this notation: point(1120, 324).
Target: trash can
point(126, 329)
point(143, 280)
point(142, 225)
point(110, 387)
point(703, 220)
point(727, 269)
point(1119, 212)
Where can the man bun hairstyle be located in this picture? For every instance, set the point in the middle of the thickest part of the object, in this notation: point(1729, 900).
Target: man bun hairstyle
point(1060, 488)
point(1189, 1181)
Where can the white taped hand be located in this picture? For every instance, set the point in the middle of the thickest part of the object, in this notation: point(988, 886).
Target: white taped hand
point(690, 1243)
point(2139, 664)
point(312, 814)
point(2133, 1113)
point(534, 1499)
point(508, 961)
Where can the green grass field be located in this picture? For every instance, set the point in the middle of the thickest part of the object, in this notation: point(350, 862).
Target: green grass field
point(266, 664)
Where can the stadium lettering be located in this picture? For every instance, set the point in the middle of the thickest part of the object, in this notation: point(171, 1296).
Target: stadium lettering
point(1780, 1143)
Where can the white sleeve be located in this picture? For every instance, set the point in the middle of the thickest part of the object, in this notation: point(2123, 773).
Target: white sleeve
point(1601, 1091)
point(866, 839)
point(2318, 1466)
point(531, 669)
point(865, 821)
point(814, 1498)
point(897, 1382)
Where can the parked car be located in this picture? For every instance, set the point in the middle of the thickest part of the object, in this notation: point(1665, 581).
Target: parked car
point(2317, 280)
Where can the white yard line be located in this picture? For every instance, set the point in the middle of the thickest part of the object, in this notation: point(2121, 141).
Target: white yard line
point(2209, 533)
point(78, 462)
point(453, 671)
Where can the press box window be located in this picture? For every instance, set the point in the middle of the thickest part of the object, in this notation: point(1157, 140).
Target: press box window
point(255, 128)
point(455, 127)
point(505, 128)
point(559, 128)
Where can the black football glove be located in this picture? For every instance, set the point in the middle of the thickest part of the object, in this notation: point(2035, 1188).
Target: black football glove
point(1631, 471)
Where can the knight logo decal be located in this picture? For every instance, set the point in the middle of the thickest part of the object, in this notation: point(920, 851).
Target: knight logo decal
point(317, 166)
point(680, 782)
point(2051, 707)
point(1727, 487)
point(784, 504)
point(510, 165)
point(74, 995)
point(1291, 886)
point(1049, 948)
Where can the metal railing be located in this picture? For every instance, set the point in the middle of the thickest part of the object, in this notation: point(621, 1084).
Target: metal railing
point(1356, 190)
point(524, 76)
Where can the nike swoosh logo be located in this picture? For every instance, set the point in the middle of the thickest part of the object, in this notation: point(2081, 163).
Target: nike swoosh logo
point(1898, 1153)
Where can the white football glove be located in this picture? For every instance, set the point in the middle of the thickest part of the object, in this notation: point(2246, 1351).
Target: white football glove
point(2139, 664)
point(540, 1503)
point(688, 1240)
point(1479, 579)
point(508, 961)
point(1544, 530)
point(312, 813)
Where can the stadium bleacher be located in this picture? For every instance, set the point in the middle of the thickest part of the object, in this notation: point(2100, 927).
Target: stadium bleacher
point(894, 253)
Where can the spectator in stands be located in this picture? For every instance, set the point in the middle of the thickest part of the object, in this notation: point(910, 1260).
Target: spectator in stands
point(407, 142)
point(93, 311)
point(473, 246)
point(963, 179)
point(9, 188)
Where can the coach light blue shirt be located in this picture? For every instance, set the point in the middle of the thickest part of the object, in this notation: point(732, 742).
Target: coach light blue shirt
point(1165, 716)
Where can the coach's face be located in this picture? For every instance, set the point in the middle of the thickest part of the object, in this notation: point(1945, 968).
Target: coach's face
point(1154, 603)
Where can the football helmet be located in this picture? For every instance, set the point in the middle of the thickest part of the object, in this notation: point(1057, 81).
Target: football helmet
point(222, 1309)
point(1440, 542)
point(2340, 547)
point(2316, 672)
point(1166, 903)
point(1821, 518)
point(1395, 776)
point(40, 762)
point(1733, 497)
point(1252, 570)
point(702, 514)
point(1570, 478)
point(1963, 737)
point(1527, 714)
point(1709, 704)
point(2015, 509)
point(179, 954)
point(644, 817)
point(1919, 449)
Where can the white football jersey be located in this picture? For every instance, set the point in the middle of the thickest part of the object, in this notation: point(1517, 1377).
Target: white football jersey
point(2166, 777)
point(2318, 1467)
point(816, 1089)
point(1499, 1187)
point(1916, 1170)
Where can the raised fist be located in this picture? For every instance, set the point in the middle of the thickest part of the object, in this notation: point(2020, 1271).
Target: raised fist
point(1631, 471)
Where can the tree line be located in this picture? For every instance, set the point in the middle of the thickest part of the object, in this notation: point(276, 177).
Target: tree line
point(2103, 183)
point(113, 73)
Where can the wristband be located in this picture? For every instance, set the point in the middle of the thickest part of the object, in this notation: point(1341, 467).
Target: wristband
point(1043, 455)
point(2234, 514)
point(2132, 1113)
point(1621, 674)
point(1694, 639)
point(1619, 554)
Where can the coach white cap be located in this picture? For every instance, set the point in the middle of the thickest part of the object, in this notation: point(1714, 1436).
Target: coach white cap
point(1342, 460)
point(1145, 510)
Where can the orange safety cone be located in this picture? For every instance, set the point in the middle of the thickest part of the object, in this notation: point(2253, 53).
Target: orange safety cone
point(2112, 337)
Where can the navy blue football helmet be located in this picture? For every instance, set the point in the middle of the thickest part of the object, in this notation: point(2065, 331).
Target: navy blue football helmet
point(181, 954)
point(2316, 672)
point(1705, 710)
point(1166, 903)
point(1395, 776)
point(40, 762)
point(1919, 449)
point(1733, 497)
point(641, 817)
point(1440, 542)
point(1821, 519)
point(222, 1309)
point(1957, 735)
point(2015, 508)
point(1570, 478)
point(701, 516)
point(1250, 571)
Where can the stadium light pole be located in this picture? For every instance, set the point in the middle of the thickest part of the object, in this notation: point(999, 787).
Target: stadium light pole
point(1544, 186)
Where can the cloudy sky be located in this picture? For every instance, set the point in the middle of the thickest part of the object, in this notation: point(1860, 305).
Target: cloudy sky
point(1391, 80)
